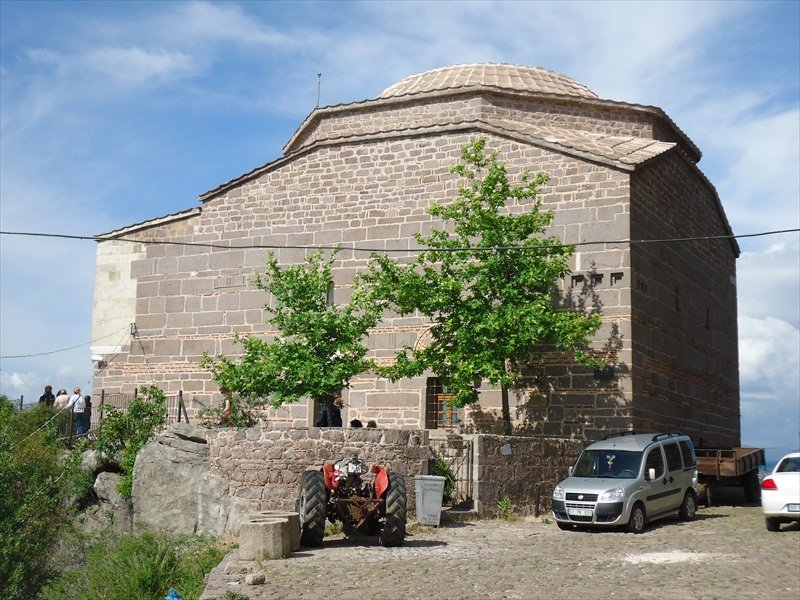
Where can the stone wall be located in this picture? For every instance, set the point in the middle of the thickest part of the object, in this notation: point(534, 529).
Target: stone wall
point(523, 469)
point(193, 300)
point(264, 465)
point(685, 364)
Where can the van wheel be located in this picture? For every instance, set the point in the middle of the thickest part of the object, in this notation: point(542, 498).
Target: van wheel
point(638, 519)
point(688, 509)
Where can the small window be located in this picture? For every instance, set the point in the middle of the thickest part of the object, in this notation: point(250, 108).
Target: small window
point(673, 453)
point(597, 279)
point(687, 450)
point(655, 461)
point(577, 280)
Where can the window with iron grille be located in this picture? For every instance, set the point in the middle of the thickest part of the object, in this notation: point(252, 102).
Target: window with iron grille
point(439, 414)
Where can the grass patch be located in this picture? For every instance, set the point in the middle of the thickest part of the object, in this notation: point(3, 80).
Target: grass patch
point(139, 567)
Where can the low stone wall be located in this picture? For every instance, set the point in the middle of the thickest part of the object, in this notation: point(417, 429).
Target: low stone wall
point(264, 465)
point(523, 469)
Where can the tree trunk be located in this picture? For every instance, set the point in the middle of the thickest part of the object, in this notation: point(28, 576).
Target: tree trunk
point(505, 407)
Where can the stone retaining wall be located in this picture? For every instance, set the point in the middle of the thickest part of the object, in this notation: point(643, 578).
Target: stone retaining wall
point(264, 465)
point(523, 469)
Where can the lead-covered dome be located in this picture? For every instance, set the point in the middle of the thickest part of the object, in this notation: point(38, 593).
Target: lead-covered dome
point(495, 75)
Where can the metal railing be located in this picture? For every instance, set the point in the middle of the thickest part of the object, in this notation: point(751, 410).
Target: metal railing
point(456, 453)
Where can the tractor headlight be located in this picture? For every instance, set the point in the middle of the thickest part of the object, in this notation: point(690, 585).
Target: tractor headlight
point(615, 495)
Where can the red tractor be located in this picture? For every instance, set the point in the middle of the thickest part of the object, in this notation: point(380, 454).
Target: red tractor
point(375, 504)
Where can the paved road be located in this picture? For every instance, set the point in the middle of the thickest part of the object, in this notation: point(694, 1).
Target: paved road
point(726, 553)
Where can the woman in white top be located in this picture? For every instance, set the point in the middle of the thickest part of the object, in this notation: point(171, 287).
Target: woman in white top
point(78, 405)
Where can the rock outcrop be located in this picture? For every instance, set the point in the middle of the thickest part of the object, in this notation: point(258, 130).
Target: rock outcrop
point(173, 490)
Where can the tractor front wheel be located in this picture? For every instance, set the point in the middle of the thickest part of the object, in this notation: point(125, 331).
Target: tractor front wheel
point(312, 507)
point(394, 529)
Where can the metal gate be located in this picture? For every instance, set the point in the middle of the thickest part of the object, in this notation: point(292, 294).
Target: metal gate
point(456, 454)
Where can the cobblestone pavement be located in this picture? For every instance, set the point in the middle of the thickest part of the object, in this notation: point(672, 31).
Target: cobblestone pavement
point(725, 553)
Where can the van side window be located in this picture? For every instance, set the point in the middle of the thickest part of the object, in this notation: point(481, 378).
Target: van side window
point(673, 457)
point(687, 450)
point(655, 461)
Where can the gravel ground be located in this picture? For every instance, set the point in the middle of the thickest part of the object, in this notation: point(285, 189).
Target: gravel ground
point(725, 553)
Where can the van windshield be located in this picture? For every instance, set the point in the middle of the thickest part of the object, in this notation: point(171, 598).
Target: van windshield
point(617, 464)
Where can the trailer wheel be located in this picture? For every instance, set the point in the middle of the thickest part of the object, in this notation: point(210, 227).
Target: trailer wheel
point(394, 529)
point(688, 507)
point(637, 520)
point(773, 524)
point(312, 507)
point(752, 488)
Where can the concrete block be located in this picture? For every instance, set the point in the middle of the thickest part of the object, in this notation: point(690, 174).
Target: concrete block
point(292, 527)
point(264, 538)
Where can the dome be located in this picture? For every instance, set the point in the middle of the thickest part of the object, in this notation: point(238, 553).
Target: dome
point(532, 80)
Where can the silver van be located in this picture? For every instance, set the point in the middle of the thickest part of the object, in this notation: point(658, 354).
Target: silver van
point(628, 479)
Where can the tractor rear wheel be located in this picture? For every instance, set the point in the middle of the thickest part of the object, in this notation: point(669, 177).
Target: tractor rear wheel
point(312, 507)
point(394, 529)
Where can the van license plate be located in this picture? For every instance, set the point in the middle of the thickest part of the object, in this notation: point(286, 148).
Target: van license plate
point(580, 512)
point(793, 507)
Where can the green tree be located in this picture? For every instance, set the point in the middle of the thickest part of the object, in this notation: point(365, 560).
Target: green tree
point(488, 282)
point(39, 482)
point(318, 348)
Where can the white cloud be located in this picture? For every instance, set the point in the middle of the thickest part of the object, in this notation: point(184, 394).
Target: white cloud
point(769, 354)
point(136, 66)
point(17, 382)
point(769, 281)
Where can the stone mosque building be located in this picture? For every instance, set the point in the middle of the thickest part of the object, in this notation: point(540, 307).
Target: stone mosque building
point(362, 174)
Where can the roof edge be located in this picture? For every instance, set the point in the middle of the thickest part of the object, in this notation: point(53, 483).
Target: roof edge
point(319, 113)
point(170, 218)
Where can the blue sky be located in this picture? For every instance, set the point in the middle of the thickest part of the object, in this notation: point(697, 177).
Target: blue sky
point(113, 113)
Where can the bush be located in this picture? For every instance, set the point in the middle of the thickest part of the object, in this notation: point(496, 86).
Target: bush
point(238, 413)
point(139, 567)
point(439, 466)
point(38, 485)
point(124, 433)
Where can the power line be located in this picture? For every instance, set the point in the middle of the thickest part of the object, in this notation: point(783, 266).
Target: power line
point(355, 248)
point(63, 349)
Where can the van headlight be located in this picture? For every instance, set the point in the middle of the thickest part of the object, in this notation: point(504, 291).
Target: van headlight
point(614, 495)
point(558, 493)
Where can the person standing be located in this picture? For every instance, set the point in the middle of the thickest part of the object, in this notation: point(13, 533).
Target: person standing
point(48, 398)
point(87, 413)
point(62, 399)
point(78, 405)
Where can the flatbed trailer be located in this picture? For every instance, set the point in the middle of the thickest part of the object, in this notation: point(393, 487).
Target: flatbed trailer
point(731, 467)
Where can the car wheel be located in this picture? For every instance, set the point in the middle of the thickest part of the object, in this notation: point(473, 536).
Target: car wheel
point(637, 520)
point(773, 524)
point(312, 507)
point(689, 507)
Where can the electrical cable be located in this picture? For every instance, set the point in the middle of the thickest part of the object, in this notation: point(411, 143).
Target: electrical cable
point(62, 349)
point(355, 248)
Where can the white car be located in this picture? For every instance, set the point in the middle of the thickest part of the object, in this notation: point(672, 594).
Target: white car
point(780, 492)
